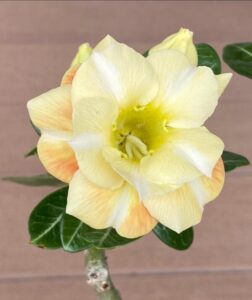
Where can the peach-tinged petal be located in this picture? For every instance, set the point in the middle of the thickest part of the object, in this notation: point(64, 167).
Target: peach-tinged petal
point(116, 71)
point(181, 41)
point(223, 81)
point(137, 220)
point(183, 208)
point(52, 111)
point(57, 157)
point(69, 75)
point(101, 208)
point(207, 189)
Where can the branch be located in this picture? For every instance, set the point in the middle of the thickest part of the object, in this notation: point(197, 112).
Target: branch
point(97, 272)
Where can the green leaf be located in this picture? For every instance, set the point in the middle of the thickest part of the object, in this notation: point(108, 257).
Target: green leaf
point(77, 236)
point(105, 238)
point(146, 53)
point(72, 233)
point(45, 219)
point(37, 130)
point(179, 241)
point(239, 58)
point(207, 56)
point(32, 152)
point(232, 160)
point(37, 180)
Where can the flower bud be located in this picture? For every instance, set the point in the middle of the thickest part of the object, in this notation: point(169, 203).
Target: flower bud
point(181, 41)
point(83, 53)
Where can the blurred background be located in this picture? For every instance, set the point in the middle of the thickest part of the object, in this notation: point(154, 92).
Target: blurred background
point(37, 42)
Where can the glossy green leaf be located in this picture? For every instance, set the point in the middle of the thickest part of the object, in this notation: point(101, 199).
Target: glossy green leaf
point(181, 241)
point(37, 180)
point(45, 220)
point(207, 56)
point(32, 152)
point(72, 233)
point(105, 238)
point(239, 58)
point(77, 236)
point(233, 160)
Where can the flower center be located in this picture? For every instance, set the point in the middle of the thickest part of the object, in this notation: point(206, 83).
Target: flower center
point(138, 131)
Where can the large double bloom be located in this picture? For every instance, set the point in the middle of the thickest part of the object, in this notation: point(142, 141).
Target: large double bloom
point(126, 133)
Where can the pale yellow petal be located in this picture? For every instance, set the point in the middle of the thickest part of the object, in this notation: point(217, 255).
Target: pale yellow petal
point(57, 157)
point(101, 208)
point(181, 41)
point(176, 210)
point(186, 155)
point(116, 71)
point(52, 111)
point(194, 99)
point(93, 165)
point(223, 81)
point(169, 66)
point(94, 115)
point(183, 208)
point(92, 122)
point(105, 43)
point(131, 172)
point(188, 94)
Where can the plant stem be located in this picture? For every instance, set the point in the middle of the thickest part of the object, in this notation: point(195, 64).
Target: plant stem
point(98, 275)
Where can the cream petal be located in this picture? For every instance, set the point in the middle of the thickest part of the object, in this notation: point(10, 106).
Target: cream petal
point(93, 165)
point(116, 71)
point(183, 208)
point(131, 172)
point(52, 111)
point(94, 115)
point(194, 100)
point(101, 208)
point(189, 94)
point(186, 155)
point(169, 65)
point(223, 81)
point(105, 43)
point(57, 157)
point(92, 121)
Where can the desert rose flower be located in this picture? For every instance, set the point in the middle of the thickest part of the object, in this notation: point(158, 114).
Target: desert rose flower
point(126, 132)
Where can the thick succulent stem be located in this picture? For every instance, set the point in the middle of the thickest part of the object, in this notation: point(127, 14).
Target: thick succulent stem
point(98, 275)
